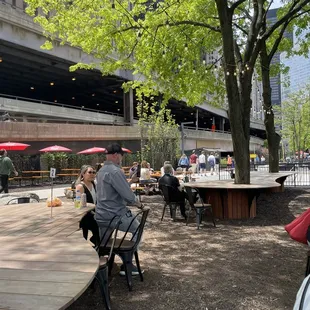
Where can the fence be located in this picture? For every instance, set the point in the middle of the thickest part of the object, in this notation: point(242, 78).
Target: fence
point(300, 178)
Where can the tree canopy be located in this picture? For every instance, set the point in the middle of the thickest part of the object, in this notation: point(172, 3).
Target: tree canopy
point(169, 46)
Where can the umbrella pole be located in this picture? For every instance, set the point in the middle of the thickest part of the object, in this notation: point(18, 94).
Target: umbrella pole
point(52, 183)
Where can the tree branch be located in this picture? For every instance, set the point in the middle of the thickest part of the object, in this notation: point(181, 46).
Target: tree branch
point(241, 29)
point(277, 41)
point(235, 5)
point(192, 23)
point(252, 36)
point(292, 11)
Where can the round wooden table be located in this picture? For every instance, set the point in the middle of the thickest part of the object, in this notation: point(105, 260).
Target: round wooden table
point(44, 263)
point(230, 200)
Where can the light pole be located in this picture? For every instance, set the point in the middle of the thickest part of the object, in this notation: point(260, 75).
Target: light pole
point(182, 133)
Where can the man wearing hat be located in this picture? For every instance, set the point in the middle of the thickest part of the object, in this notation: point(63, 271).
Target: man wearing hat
point(113, 195)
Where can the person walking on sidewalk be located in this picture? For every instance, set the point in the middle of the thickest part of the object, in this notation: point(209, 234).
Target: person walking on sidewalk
point(6, 168)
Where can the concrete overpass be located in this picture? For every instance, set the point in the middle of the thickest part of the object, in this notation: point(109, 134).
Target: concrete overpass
point(96, 134)
point(28, 64)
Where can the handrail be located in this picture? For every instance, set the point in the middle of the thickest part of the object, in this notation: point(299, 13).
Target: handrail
point(58, 104)
point(210, 130)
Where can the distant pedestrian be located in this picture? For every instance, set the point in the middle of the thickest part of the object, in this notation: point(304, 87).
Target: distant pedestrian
point(193, 161)
point(229, 162)
point(211, 162)
point(183, 162)
point(202, 162)
point(6, 168)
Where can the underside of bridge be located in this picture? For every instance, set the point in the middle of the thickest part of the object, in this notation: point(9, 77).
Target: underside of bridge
point(35, 75)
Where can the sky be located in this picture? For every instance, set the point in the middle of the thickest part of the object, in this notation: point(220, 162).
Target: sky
point(276, 4)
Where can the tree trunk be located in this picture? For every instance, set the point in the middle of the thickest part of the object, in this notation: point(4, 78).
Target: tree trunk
point(239, 115)
point(273, 138)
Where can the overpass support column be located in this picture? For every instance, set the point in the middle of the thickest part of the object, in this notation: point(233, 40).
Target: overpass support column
point(128, 107)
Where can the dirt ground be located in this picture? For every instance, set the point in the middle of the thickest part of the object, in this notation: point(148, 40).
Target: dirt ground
point(238, 265)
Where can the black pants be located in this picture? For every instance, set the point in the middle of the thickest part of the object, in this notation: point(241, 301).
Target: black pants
point(4, 183)
point(180, 197)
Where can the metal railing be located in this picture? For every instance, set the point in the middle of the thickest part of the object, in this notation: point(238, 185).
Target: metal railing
point(58, 104)
point(300, 178)
point(212, 130)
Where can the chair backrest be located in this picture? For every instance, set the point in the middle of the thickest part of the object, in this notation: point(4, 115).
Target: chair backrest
point(19, 200)
point(168, 192)
point(139, 231)
point(190, 196)
point(112, 235)
point(109, 229)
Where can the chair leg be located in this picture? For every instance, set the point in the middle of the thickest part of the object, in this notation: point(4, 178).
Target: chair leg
point(127, 263)
point(198, 217)
point(173, 211)
point(138, 266)
point(111, 262)
point(308, 264)
point(212, 216)
point(188, 215)
point(164, 210)
point(103, 280)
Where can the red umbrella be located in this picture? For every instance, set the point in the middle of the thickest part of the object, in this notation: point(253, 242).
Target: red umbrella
point(93, 150)
point(13, 146)
point(55, 148)
point(126, 150)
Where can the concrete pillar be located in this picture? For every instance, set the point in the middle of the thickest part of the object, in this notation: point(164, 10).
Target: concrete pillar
point(128, 107)
point(197, 118)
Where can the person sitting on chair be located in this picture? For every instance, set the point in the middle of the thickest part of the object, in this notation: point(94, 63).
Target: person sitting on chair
point(113, 195)
point(178, 194)
point(85, 184)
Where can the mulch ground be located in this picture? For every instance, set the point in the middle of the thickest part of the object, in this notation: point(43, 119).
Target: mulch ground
point(250, 264)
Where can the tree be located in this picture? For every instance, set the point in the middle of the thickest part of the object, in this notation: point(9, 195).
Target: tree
point(295, 112)
point(277, 43)
point(160, 137)
point(165, 43)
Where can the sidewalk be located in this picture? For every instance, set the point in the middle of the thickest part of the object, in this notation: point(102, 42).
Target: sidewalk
point(43, 193)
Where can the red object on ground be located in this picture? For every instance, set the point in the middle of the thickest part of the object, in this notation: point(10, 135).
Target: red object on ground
point(55, 148)
point(93, 150)
point(298, 228)
point(13, 146)
point(213, 127)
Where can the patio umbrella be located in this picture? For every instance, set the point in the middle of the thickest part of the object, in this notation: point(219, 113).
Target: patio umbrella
point(126, 150)
point(55, 148)
point(13, 146)
point(93, 150)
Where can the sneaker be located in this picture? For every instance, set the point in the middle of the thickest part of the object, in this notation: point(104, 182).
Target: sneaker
point(134, 271)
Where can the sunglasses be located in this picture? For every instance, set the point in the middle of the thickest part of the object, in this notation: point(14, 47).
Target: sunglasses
point(91, 172)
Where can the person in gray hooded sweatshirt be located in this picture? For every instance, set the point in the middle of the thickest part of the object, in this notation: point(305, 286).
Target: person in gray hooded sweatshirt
point(6, 168)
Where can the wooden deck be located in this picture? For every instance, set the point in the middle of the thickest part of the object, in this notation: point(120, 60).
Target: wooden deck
point(44, 263)
point(238, 201)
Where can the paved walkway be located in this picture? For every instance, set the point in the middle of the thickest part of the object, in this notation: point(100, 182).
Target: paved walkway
point(42, 193)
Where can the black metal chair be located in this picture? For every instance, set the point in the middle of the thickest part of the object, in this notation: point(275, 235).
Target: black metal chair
point(168, 192)
point(126, 247)
point(102, 275)
point(19, 200)
point(198, 207)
